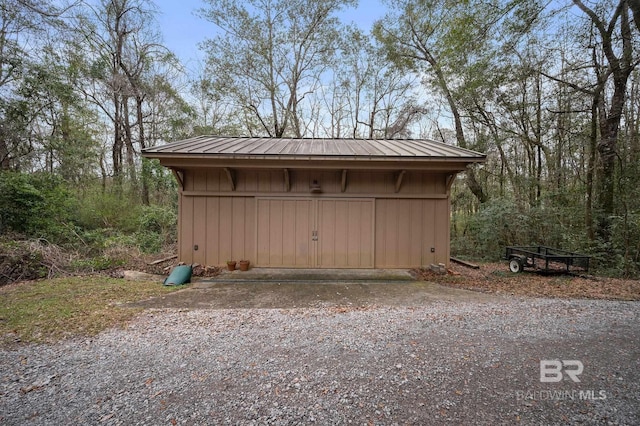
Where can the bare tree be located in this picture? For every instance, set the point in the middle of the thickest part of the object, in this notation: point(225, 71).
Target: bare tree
point(425, 36)
point(126, 68)
point(616, 40)
point(382, 98)
point(270, 55)
point(23, 25)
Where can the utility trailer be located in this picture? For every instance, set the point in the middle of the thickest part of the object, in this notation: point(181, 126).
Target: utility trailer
point(545, 259)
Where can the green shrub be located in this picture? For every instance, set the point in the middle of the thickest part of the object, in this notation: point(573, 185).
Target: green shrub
point(157, 226)
point(113, 209)
point(149, 242)
point(160, 220)
point(147, 228)
point(496, 224)
point(624, 256)
point(501, 222)
point(98, 240)
point(36, 206)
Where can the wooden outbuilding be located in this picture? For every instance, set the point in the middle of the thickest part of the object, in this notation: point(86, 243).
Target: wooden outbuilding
point(314, 203)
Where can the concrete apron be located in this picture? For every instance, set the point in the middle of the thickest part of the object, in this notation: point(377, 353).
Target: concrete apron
point(311, 275)
point(270, 288)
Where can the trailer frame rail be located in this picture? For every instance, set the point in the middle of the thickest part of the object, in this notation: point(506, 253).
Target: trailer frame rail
point(546, 259)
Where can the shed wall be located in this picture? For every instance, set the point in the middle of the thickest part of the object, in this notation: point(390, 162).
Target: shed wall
point(367, 225)
point(259, 182)
point(412, 232)
point(222, 228)
point(284, 232)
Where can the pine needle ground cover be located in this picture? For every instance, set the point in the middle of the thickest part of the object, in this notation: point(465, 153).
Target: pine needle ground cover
point(496, 278)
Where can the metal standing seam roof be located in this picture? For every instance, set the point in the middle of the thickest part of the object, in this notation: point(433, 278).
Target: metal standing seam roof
point(217, 146)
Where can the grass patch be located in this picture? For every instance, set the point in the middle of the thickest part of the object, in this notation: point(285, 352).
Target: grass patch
point(50, 310)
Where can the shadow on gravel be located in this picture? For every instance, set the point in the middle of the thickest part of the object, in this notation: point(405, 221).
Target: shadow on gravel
point(300, 294)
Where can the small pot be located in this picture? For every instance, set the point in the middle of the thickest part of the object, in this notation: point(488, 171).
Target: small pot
point(231, 265)
point(244, 265)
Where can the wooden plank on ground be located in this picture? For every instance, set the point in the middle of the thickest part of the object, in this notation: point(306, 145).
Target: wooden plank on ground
point(463, 263)
point(155, 262)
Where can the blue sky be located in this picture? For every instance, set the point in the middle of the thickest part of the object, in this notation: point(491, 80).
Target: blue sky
point(182, 30)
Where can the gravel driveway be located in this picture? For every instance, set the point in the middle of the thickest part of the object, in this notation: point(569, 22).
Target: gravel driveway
point(441, 362)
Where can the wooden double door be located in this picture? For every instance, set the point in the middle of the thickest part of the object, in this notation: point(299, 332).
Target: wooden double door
point(315, 233)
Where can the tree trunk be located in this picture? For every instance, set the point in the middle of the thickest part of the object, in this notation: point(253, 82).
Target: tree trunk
point(472, 181)
point(146, 173)
point(5, 160)
point(593, 143)
point(620, 69)
point(128, 142)
point(608, 151)
point(116, 149)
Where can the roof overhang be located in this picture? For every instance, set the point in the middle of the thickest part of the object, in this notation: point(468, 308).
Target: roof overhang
point(336, 154)
point(311, 163)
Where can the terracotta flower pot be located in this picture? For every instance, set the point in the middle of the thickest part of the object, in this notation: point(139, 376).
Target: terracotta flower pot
point(244, 265)
point(231, 265)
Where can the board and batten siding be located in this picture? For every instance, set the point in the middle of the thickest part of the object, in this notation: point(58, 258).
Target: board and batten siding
point(345, 233)
point(284, 233)
point(223, 228)
point(368, 225)
point(408, 230)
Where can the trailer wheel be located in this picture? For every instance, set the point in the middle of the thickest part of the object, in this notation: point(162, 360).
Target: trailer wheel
point(515, 265)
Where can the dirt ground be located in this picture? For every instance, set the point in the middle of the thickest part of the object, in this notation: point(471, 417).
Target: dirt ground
point(495, 278)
